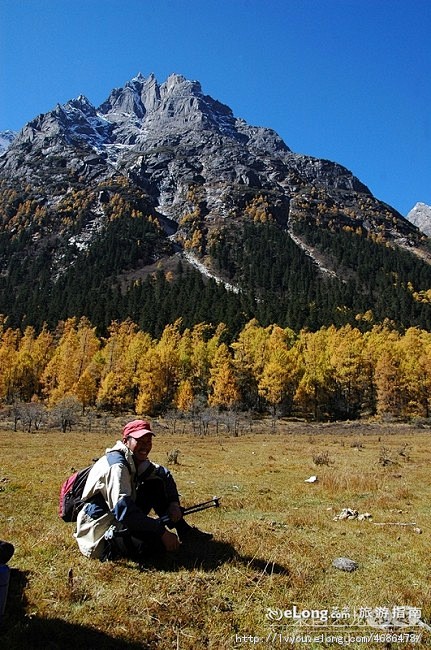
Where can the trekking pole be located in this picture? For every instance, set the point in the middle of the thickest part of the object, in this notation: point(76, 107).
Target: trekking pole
point(212, 503)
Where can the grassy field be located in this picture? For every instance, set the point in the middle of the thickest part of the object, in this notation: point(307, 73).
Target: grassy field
point(275, 538)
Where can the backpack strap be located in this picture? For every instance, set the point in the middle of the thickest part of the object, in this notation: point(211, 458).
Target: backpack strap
point(117, 456)
point(146, 473)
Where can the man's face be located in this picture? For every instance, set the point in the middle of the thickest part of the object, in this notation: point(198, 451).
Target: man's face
point(141, 447)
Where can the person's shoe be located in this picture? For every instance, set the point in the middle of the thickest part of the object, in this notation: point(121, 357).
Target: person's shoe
point(192, 534)
point(6, 552)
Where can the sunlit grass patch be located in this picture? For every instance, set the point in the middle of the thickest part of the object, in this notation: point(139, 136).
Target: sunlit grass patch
point(275, 538)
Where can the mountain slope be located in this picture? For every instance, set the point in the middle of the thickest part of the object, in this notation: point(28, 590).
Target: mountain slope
point(101, 209)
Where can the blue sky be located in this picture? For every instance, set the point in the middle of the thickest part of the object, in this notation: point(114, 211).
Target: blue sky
point(346, 80)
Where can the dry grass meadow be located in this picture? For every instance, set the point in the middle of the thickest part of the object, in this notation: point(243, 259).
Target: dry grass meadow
point(275, 538)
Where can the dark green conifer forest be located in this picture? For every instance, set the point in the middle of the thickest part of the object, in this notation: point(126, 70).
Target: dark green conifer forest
point(277, 281)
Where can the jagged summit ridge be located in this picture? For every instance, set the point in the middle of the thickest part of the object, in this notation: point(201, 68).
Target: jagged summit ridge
point(144, 112)
point(166, 138)
point(133, 100)
point(176, 98)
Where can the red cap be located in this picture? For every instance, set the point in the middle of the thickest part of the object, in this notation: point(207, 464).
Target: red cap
point(136, 429)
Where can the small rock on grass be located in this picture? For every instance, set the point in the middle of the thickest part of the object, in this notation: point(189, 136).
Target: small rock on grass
point(345, 564)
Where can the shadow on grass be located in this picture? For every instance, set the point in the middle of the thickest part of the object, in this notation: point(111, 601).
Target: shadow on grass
point(209, 556)
point(19, 630)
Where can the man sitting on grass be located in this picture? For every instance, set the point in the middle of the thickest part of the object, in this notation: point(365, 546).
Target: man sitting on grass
point(121, 489)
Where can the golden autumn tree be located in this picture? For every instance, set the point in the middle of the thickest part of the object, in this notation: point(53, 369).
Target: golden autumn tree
point(8, 356)
point(152, 389)
point(25, 377)
point(159, 372)
point(316, 374)
point(204, 353)
point(185, 353)
point(40, 347)
point(381, 350)
point(168, 350)
point(196, 349)
point(250, 357)
point(120, 361)
point(279, 377)
point(192, 357)
point(415, 372)
point(139, 344)
point(86, 388)
point(114, 393)
point(23, 359)
point(425, 362)
point(387, 377)
point(272, 383)
point(74, 352)
point(112, 353)
point(184, 397)
point(351, 370)
point(224, 390)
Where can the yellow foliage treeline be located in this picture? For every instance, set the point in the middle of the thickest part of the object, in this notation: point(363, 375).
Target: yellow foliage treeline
point(341, 373)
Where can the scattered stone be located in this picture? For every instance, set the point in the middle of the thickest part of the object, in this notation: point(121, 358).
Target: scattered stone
point(418, 530)
point(349, 513)
point(312, 479)
point(276, 524)
point(345, 564)
point(346, 513)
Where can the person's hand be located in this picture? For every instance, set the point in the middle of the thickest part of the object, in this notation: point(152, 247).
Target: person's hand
point(175, 513)
point(170, 541)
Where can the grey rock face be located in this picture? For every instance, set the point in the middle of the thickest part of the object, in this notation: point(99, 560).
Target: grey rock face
point(420, 216)
point(166, 137)
point(169, 138)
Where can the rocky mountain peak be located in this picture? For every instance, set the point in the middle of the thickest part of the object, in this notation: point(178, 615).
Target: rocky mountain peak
point(80, 103)
point(140, 77)
point(177, 84)
point(144, 102)
point(170, 137)
point(142, 95)
point(420, 216)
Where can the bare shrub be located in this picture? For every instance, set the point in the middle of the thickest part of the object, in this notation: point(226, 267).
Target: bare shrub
point(385, 457)
point(404, 451)
point(66, 412)
point(322, 458)
point(172, 456)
